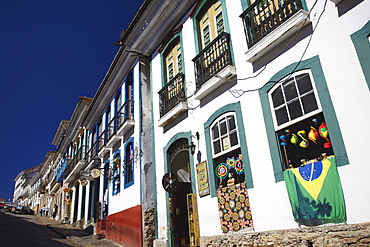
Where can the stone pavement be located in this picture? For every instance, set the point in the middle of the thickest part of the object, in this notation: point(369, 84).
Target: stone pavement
point(76, 236)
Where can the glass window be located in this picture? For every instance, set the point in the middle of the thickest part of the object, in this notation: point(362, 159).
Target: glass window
point(211, 23)
point(173, 60)
point(293, 98)
point(129, 164)
point(116, 174)
point(224, 134)
point(300, 125)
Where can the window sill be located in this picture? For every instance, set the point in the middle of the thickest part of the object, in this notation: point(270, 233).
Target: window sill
point(173, 113)
point(278, 35)
point(215, 82)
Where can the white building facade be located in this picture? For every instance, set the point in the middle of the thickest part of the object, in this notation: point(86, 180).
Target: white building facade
point(260, 89)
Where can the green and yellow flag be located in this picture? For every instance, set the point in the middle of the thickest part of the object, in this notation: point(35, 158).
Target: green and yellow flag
point(315, 193)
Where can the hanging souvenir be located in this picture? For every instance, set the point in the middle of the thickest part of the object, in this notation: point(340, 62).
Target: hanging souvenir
point(230, 163)
point(222, 171)
point(304, 143)
point(239, 167)
point(294, 139)
point(283, 140)
point(324, 133)
point(313, 135)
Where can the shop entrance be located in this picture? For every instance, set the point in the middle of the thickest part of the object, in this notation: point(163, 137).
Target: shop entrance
point(177, 200)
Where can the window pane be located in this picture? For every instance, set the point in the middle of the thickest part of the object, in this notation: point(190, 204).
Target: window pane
point(170, 71)
point(179, 63)
point(290, 90)
point(231, 123)
point(233, 139)
point(309, 103)
point(281, 116)
point(216, 147)
point(277, 97)
point(304, 83)
point(220, 23)
point(294, 109)
point(206, 36)
point(223, 128)
point(215, 132)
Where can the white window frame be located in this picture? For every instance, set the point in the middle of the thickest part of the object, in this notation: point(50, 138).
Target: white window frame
point(304, 116)
point(217, 121)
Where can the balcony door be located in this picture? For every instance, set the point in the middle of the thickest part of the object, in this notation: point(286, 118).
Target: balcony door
point(173, 60)
point(211, 23)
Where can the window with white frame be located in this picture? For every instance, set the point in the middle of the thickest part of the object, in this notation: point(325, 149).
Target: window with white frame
point(226, 152)
point(299, 122)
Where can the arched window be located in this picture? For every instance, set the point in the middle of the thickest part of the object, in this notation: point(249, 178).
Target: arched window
point(226, 152)
point(211, 23)
point(299, 123)
point(173, 59)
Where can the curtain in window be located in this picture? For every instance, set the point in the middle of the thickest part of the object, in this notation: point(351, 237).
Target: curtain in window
point(315, 193)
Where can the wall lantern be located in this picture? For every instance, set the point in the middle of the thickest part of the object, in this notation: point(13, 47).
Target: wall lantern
point(192, 148)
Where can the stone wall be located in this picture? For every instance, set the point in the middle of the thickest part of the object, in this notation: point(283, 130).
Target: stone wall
point(149, 227)
point(328, 236)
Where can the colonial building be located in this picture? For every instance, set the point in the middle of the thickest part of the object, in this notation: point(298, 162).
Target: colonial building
point(260, 88)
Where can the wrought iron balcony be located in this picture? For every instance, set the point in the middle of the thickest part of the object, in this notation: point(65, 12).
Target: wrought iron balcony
point(212, 59)
point(264, 16)
point(112, 127)
point(80, 155)
point(126, 112)
point(102, 140)
point(172, 94)
point(93, 151)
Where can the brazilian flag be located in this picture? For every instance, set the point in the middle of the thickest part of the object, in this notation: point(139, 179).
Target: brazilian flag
point(315, 193)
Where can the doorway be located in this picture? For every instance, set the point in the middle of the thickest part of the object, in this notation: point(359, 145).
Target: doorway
point(178, 212)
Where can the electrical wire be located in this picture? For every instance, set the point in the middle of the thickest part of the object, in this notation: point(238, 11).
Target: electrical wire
point(237, 93)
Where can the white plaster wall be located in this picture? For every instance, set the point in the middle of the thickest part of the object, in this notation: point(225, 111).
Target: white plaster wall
point(130, 196)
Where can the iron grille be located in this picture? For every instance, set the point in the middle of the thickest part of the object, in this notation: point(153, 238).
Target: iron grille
point(264, 16)
point(212, 59)
point(172, 94)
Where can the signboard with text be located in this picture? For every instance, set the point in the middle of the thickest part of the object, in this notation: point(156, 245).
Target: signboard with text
point(202, 177)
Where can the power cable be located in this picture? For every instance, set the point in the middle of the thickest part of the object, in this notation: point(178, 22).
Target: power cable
point(240, 92)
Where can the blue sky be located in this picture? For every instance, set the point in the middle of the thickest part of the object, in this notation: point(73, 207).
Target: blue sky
point(51, 52)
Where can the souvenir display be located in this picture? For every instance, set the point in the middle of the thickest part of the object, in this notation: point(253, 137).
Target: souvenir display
point(313, 135)
point(222, 171)
point(234, 208)
point(324, 133)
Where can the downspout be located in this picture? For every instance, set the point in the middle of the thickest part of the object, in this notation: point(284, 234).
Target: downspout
point(141, 134)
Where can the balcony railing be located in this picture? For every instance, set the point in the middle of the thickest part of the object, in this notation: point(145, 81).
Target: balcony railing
point(264, 16)
point(112, 127)
point(212, 59)
point(102, 140)
point(79, 156)
point(172, 94)
point(126, 112)
point(93, 151)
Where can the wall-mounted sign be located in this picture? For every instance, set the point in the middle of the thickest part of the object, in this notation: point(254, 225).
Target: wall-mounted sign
point(95, 173)
point(202, 177)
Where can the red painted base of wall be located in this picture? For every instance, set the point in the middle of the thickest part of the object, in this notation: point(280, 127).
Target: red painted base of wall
point(124, 228)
